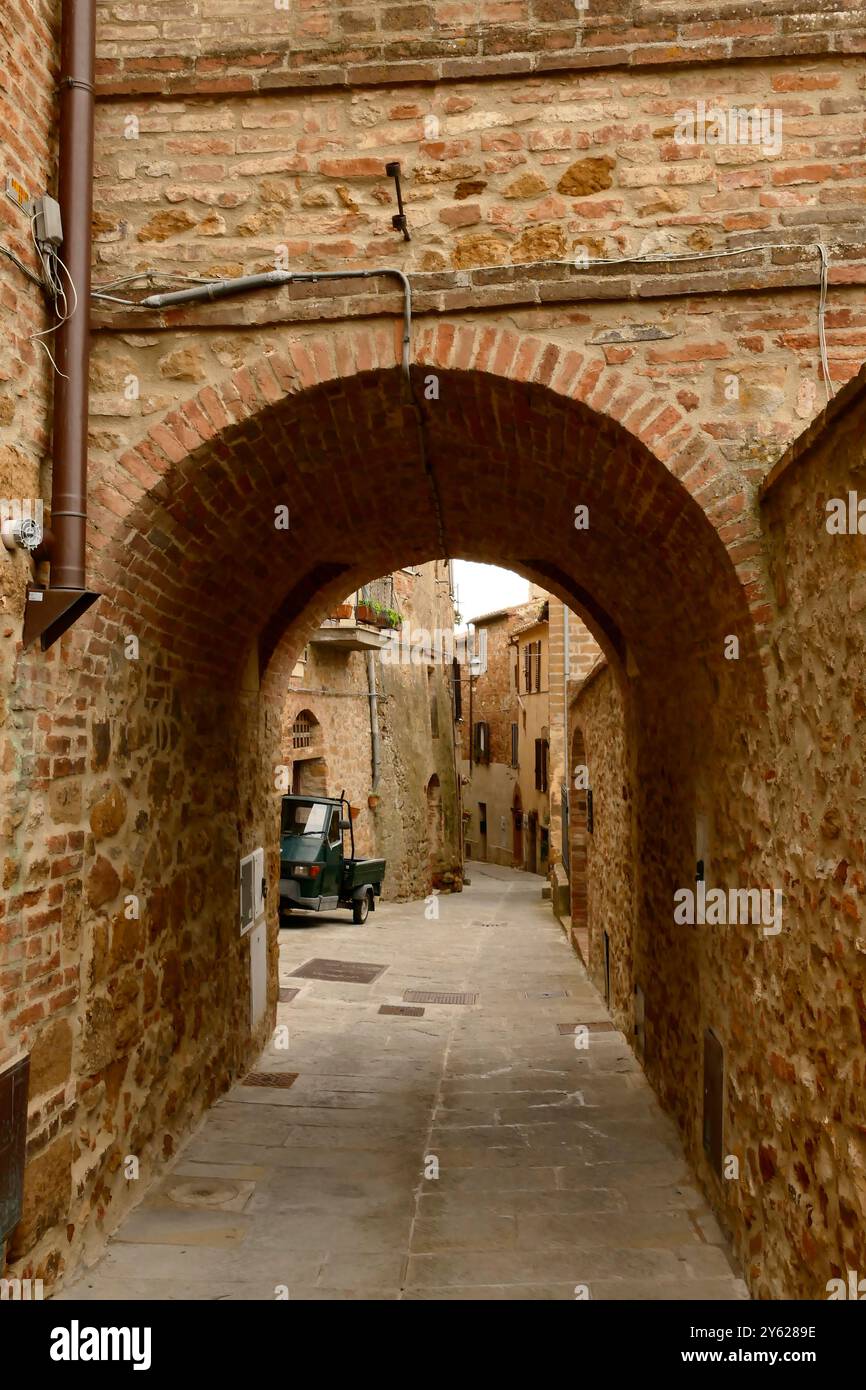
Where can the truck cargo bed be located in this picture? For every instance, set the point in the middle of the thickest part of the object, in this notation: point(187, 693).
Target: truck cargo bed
point(358, 871)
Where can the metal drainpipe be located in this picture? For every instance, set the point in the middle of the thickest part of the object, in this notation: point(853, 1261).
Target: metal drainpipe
point(49, 612)
point(374, 717)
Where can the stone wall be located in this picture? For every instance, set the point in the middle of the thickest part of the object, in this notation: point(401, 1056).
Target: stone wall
point(494, 175)
point(604, 872)
point(788, 1009)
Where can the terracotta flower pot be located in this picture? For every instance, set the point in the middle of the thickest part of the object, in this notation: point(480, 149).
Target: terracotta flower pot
point(343, 610)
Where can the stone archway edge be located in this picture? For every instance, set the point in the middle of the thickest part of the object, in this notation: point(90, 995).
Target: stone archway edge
point(336, 354)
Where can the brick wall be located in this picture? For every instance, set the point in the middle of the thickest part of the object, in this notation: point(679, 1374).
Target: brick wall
point(241, 45)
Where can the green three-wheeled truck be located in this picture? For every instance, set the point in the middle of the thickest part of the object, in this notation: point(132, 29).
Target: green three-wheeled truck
point(316, 875)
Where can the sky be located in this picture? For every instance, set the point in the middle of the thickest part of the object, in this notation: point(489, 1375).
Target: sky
point(484, 588)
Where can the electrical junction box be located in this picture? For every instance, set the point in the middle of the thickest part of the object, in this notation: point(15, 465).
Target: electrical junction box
point(252, 889)
point(47, 225)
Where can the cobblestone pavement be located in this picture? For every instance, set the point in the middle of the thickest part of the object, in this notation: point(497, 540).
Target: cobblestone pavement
point(556, 1168)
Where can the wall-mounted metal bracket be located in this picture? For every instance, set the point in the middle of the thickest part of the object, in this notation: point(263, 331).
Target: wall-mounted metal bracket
point(398, 221)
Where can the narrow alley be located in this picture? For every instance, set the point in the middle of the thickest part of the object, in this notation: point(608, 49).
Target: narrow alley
point(463, 1150)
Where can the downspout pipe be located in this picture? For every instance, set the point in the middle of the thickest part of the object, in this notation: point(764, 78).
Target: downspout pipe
point(375, 747)
point(49, 612)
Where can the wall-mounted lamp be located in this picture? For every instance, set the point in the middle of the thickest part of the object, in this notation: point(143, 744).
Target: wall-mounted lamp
point(398, 221)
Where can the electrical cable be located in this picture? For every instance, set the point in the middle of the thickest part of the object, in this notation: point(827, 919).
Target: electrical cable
point(650, 258)
point(25, 270)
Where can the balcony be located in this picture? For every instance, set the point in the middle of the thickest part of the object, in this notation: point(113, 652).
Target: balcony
point(364, 622)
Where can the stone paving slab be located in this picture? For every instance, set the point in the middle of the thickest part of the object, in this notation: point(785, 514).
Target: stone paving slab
point(473, 1153)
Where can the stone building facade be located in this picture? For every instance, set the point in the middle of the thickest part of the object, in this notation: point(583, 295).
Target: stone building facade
point(407, 812)
point(489, 758)
point(665, 394)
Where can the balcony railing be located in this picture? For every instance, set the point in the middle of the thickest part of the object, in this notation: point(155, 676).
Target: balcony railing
point(363, 620)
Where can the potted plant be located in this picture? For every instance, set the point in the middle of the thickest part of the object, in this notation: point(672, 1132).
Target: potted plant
point(364, 611)
point(377, 613)
point(394, 619)
point(342, 610)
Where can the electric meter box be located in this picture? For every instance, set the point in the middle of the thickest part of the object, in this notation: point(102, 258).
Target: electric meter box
point(252, 889)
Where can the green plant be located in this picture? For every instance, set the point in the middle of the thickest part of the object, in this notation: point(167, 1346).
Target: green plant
point(395, 619)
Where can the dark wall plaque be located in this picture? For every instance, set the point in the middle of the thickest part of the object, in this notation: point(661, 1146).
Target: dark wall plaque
point(14, 1087)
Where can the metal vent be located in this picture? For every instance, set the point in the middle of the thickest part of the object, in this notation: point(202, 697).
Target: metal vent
point(348, 972)
point(403, 1010)
point(287, 995)
point(280, 1080)
point(545, 994)
point(436, 996)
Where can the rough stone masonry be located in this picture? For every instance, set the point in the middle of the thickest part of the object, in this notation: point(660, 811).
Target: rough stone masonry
point(605, 317)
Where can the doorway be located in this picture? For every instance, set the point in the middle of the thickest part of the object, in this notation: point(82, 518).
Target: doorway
point(517, 830)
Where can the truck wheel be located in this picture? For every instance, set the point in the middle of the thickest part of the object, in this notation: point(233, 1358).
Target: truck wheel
point(360, 908)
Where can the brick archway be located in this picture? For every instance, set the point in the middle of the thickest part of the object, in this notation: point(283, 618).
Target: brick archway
point(185, 549)
point(517, 433)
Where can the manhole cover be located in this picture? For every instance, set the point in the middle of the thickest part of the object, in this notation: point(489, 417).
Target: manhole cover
point(402, 1009)
point(287, 995)
point(203, 1192)
point(545, 994)
point(280, 1079)
point(348, 972)
point(604, 1026)
point(437, 996)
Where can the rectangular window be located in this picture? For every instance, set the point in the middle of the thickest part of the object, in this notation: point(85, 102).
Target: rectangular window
point(458, 689)
point(514, 745)
point(527, 666)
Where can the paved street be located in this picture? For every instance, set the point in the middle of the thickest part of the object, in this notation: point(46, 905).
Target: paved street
point(556, 1168)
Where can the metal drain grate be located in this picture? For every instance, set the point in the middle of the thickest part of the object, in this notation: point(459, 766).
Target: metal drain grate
point(346, 972)
point(287, 995)
point(402, 1009)
point(280, 1080)
point(603, 1026)
point(437, 996)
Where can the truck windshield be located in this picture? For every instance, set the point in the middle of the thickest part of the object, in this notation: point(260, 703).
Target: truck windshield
point(304, 817)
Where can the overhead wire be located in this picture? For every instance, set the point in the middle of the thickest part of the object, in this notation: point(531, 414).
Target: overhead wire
point(650, 258)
